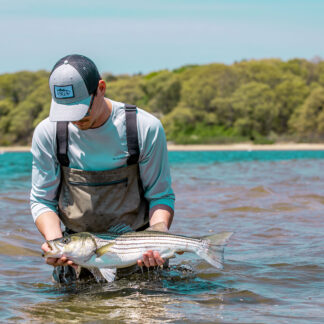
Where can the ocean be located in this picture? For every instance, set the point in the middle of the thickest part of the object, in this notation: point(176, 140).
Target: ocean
point(273, 272)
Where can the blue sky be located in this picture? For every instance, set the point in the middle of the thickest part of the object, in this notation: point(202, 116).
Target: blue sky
point(144, 36)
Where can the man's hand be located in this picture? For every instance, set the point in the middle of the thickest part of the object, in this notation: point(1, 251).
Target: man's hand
point(151, 259)
point(63, 261)
point(49, 226)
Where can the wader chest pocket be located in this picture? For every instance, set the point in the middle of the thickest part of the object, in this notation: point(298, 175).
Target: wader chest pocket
point(99, 184)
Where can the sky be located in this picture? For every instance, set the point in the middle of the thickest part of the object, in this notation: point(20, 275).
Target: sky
point(141, 36)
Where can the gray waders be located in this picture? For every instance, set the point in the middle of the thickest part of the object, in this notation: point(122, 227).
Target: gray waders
point(93, 201)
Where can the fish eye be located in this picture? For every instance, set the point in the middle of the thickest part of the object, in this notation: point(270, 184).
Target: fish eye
point(66, 240)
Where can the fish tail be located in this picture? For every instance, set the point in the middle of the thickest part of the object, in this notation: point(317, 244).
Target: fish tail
point(212, 249)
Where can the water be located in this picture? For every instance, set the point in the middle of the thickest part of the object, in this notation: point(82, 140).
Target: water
point(273, 272)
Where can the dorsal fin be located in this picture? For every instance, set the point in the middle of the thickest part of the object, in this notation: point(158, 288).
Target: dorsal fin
point(120, 229)
point(114, 231)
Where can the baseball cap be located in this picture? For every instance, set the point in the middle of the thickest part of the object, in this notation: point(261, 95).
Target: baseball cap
point(73, 80)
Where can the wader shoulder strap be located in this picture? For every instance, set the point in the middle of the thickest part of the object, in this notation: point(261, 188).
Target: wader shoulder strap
point(62, 134)
point(131, 134)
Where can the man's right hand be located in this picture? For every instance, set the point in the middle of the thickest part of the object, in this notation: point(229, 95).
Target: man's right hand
point(49, 226)
point(55, 262)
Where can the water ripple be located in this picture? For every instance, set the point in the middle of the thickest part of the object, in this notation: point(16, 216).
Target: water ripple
point(273, 269)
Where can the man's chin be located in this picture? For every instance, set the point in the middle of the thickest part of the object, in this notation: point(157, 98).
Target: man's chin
point(83, 126)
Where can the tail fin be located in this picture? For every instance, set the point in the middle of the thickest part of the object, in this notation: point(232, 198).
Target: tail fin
point(212, 249)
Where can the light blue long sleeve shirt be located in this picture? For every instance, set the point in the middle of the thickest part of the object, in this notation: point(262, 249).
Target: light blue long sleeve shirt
point(102, 148)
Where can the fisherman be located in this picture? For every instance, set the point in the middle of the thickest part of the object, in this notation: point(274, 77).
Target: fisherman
point(97, 163)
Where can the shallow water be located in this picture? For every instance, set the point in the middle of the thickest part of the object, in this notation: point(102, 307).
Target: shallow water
point(273, 271)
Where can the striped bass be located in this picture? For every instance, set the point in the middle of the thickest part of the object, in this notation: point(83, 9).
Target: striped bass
point(121, 247)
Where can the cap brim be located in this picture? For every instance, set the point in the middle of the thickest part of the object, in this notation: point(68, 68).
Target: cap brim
point(69, 112)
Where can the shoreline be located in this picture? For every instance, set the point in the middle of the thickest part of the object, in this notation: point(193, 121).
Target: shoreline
point(214, 147)
point(249, 147)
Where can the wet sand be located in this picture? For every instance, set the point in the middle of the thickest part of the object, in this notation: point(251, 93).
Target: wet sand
point(215, 147)
point(14, 149)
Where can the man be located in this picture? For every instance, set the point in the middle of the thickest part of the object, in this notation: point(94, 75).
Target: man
point(96, 162)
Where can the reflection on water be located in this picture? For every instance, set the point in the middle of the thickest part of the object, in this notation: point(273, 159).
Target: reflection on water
point(148, 298)
point(168, 295)
point(273, 271)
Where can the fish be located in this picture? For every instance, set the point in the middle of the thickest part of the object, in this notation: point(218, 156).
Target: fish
point(121, 247)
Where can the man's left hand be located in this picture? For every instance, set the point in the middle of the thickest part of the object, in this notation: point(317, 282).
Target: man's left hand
point(160, 220)
point(151, 259)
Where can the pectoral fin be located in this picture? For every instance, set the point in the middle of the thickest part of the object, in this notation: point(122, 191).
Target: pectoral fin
point(104, 249)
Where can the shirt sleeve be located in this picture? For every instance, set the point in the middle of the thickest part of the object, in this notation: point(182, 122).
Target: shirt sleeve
point(154, 165)
point(45, 171)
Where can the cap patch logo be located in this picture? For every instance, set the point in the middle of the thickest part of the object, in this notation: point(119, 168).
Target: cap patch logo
point(62, 92)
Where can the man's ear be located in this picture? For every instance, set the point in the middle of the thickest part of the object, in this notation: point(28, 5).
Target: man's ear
point(101, 87)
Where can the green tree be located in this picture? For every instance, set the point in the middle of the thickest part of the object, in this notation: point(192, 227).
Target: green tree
point(308, 71)
point(254, 108)
point(308, 120)
point(163, 92)
point(126, 89)
point(179, 123)
point(289, 95)
point(206, 84)
point(262, 71)
point(209, 103)
point(23, 116)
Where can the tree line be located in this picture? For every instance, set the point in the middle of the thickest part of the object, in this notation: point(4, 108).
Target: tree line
point(264, 101)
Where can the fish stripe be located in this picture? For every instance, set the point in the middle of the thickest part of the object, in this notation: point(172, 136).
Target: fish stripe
point(159, 238)
point(156, 234)
point(154, 245)
point(151, 247)
point(157, 242)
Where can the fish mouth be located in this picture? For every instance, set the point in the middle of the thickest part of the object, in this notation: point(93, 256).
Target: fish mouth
point(49, 245)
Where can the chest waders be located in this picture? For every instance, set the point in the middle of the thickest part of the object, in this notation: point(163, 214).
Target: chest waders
point(93, 201)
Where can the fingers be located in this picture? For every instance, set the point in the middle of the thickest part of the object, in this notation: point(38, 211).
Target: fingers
point(45, 247)
point(158, 258)
point(55, 262)
point(51, 261)
point(151, 259)
point(73, 265)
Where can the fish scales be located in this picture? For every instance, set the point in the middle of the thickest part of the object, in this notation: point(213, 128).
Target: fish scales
point(125, 244)
point(139, 245)
point(154, 234)
point(158, 238)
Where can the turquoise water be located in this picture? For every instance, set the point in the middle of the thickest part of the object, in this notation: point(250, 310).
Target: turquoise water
point(207, 157)
point(273, 270)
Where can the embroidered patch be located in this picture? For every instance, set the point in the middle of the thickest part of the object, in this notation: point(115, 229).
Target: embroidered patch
point(63, 92)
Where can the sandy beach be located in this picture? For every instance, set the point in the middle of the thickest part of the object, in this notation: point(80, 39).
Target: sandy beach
point(14, 149)
point(249, 147)
point(228, 147)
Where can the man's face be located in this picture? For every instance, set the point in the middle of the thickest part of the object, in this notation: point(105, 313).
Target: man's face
point(87, 121)
point(84, 123)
